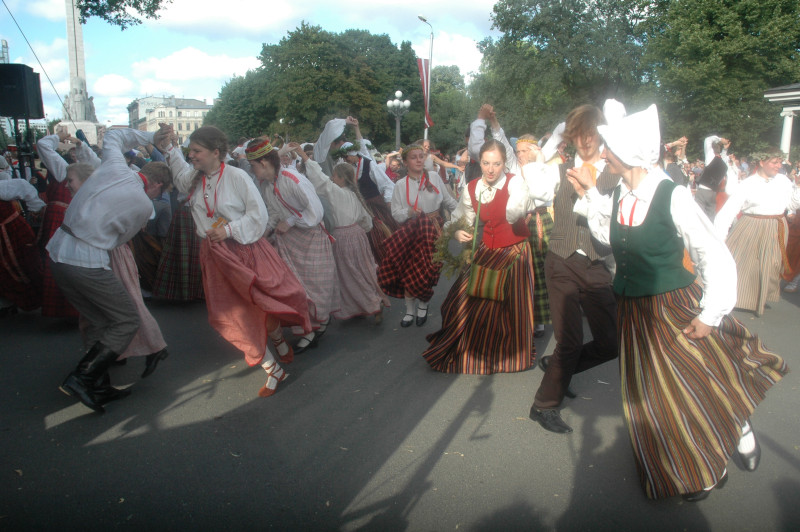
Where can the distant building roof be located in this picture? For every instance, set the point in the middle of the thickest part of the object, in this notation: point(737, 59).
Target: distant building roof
point(786, 95)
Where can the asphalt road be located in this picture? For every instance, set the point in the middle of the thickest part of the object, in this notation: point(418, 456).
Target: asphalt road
point(361, 436)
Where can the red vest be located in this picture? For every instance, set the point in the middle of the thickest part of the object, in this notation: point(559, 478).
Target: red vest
point(497, 232)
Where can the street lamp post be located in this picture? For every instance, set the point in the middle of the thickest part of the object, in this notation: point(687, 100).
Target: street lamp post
point(398, 108)
point(430, 66)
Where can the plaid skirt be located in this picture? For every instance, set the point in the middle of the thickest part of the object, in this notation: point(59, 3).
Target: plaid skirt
point(178, 276)
point(407, 266)
point(483, 336)
point(540, 226)
point(246, 286)
point(20, 262)
point(756, 244)
point(356, 273)
point(685, 401)
point(308, 253)
point(383, 225)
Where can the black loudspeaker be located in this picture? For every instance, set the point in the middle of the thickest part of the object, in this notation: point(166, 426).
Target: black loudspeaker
point(20, 92)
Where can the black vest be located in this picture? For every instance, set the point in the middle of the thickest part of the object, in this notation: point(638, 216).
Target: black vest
point(366, 186)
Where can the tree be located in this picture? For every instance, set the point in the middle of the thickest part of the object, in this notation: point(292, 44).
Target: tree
point(452, 109)
point(313, 75)
point(714, 59)
point(120, 13)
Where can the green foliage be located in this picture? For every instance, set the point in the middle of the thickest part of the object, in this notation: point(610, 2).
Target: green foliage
point(714, 60)
point(452, 109)
point(313, 75)
point(120, 13)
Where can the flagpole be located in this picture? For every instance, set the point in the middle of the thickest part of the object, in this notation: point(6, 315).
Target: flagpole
point(428, 77)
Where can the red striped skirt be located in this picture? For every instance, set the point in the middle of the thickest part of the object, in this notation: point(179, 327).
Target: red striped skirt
point(245, 285)
point(407, 266)
point(482, 336)
point(685, 401)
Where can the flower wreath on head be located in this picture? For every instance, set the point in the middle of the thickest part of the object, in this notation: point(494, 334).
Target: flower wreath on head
point(453, 264)
point(356, 147)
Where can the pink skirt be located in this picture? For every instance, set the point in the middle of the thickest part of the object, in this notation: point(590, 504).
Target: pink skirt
point(245, 285)
point(356, 272)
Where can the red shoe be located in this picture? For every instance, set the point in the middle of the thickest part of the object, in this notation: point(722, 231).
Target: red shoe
point(288, 357)
point(278, 375)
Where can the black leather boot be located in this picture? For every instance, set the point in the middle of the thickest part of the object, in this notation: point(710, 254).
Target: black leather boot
point(105, 393)
point(81, 383)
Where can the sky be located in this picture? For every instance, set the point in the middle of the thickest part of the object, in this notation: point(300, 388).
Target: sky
point(196, 46)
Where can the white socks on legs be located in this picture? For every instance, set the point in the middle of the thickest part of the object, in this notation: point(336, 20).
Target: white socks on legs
point(747, 443)
point(410, 305)
point(422, 309)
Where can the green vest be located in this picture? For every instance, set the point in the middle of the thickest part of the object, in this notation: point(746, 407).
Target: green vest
point(649, 256)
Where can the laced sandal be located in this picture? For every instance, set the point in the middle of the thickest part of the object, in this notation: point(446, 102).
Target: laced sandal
point(275, 374)
point(287, 357)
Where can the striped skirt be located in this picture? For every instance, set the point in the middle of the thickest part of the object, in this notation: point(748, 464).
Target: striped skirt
point(755, 244)
point(356, 273)
point(246, 286)
point(309, 255)
point(482, 336)
point(793, 249)
point(540, 226)
point(407, 266)
point(685, 401)
point(178, 276)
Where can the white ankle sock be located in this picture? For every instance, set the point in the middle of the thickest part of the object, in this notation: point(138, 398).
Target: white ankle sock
point(410, 305)
point(422, 309)
point(747, 444)
point(267, 361)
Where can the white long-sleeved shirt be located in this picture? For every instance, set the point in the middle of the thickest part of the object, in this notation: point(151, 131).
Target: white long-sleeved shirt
point(427, 201)
point(230, 194)
point(760, 196)
point(55, 163)
point(297, 203)
point(515, 208)
point(477, 137)
point(346, 209)
point(108, 209)
point(712, 259)
point(19, 189)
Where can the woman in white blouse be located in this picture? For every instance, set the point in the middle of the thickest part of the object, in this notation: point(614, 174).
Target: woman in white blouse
point(250, 293)
point(407, 270)
point(355, 263)
point(691, 374)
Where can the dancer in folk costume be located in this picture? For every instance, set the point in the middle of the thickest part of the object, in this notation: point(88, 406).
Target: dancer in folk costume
point(250, 293)
point(758, 240)
point(479, 335)
point(355, 265)
point(54, 304)
point(691, 374)
point(301, 239)
point(105, 213)
point(20, 263)
point(407, 270)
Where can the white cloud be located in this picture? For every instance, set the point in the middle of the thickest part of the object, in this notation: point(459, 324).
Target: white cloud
point(231, 18)
point(157, 88)
point(49, 9)
point(452, 49)
point(192, 64)
point(111, 85)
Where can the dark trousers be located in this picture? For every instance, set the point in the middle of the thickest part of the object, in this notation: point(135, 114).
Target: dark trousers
point(576, 284)
point(99, 297)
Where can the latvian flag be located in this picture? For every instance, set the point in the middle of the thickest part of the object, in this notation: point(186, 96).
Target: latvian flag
point(425, 77)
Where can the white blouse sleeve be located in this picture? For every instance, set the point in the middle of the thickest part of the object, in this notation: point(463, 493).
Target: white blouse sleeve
point(711, 256)
point(182, 172)
point(52, 160)
point(85, 154)
point(253, 223)
point(598, 214)
point(399, 206)
point(518, 203)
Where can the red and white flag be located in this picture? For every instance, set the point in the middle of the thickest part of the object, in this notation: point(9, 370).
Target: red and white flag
point(425, 76)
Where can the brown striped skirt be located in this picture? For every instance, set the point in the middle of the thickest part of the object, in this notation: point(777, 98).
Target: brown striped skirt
point(482, 336)
point(685, 401)
point(755, 243)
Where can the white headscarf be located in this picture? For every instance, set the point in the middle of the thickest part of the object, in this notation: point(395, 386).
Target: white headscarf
point(635, 139)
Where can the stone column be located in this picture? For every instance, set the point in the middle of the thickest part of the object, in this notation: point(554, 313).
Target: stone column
point(786, 134)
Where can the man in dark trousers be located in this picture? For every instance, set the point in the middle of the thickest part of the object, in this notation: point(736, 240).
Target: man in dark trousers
point(578, 281)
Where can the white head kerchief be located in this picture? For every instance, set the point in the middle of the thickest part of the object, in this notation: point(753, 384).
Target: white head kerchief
point(613, 110)
point(635, 139)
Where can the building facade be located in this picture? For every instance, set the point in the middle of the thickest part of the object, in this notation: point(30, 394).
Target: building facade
point(183, 114)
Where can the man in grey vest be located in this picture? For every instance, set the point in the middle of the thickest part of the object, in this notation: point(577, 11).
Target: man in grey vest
point(578, 281)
